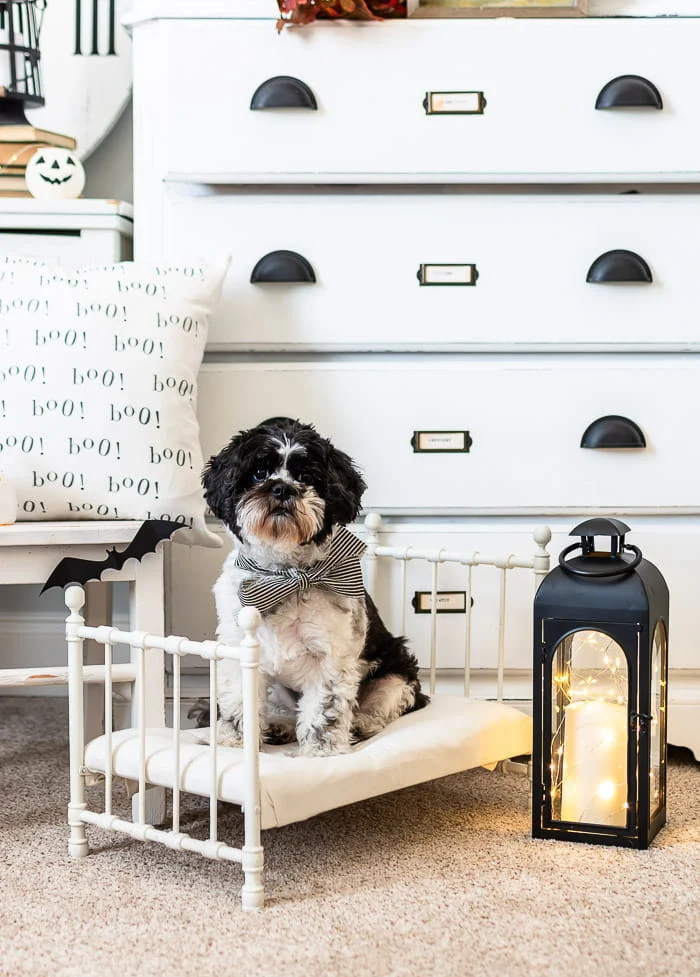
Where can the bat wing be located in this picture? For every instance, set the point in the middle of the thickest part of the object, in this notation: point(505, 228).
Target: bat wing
point(72, 570)
point(146, 540)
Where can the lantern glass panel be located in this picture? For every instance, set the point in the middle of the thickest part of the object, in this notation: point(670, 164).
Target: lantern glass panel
point(590, 694)
point(658, 719)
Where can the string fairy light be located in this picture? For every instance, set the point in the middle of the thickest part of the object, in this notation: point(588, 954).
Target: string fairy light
point(589, 777)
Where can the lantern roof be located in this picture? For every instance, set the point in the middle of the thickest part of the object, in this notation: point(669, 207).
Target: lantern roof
point(600, 527)
point(635, 597)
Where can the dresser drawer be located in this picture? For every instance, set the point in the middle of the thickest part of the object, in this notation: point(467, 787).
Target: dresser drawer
point(526, 417)
point(521, 263)
point(369, 83)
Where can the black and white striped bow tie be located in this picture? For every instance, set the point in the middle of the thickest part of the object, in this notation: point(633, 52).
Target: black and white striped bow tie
point(339, 571)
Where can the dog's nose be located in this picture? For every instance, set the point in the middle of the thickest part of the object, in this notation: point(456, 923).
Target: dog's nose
point(282, 491)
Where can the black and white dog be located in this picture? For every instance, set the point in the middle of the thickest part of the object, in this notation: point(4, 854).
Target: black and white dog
point(331, 673)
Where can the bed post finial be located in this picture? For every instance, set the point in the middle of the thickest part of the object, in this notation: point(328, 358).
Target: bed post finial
point(373, 522)
point(75, 601)
point(542, 535)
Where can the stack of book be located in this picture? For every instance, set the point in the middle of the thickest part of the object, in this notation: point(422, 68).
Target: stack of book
point(18, 143)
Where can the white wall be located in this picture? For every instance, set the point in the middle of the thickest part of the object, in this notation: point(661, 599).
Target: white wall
point(109, 167)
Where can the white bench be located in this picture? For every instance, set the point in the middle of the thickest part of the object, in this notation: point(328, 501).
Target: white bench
point(29, 551)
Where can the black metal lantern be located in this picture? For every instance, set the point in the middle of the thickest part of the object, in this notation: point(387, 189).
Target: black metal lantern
point(600, 694)
point(20, 82)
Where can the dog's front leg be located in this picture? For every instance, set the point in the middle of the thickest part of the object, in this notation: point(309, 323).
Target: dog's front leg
point(229, 729)
point(325, 716)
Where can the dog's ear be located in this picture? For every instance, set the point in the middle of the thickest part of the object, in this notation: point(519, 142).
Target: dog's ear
point(219, 481)
point(345, 487)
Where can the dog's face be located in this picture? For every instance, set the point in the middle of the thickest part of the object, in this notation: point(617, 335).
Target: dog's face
point(282, 483)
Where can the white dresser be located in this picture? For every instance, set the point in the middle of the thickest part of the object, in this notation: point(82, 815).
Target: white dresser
point(476, 234)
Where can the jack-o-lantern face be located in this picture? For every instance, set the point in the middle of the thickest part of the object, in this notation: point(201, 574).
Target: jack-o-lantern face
point(55, 174)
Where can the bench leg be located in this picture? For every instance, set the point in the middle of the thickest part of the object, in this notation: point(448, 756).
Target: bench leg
point(147, 613)
point(77, 843)
point(98, 611)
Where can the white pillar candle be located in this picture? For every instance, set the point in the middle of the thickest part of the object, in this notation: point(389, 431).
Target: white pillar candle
point(594, 779)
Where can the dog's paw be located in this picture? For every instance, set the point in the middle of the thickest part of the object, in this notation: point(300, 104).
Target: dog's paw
point(279, 733)
point(228, 733)
point(200, 712)
point(316, 748)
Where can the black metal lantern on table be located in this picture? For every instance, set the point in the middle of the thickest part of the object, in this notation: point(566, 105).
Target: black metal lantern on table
point(20, 81)
point(600, 693)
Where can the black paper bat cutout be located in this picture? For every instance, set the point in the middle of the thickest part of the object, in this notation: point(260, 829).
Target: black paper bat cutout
point(71, 570)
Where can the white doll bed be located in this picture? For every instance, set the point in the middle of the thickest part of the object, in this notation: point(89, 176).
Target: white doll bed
point(452, 734)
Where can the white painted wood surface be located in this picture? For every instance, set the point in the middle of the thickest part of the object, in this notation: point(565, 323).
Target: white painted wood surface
point(67, 232)
point(29, 552)
point(526, 453)
point(540, 115)
point(532, 254)
point(20, 212)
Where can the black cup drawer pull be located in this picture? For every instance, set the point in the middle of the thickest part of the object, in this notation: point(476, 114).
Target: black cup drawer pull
point(283, 92)
point(613, 431)
point(282, 266)
point(629, 91)
point(619, 266)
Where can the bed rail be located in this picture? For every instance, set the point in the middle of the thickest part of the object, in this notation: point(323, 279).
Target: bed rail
point(538, 563)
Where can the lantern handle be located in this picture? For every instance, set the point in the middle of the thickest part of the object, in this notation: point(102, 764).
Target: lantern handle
point(614, 571)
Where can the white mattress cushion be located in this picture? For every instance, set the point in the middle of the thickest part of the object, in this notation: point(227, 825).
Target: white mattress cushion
point(449, 735)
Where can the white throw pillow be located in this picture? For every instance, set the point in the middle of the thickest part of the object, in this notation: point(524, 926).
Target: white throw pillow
point(98, 390)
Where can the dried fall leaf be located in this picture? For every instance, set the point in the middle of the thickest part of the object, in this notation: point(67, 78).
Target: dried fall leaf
point(301, 12)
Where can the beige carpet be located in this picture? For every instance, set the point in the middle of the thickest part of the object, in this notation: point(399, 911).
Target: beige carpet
point(441, 879)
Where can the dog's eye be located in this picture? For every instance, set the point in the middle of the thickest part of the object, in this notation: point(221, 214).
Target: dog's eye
point(304, 476)
point(260, 475)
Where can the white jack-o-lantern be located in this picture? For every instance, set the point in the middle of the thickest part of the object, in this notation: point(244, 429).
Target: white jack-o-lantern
point(55, 174)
